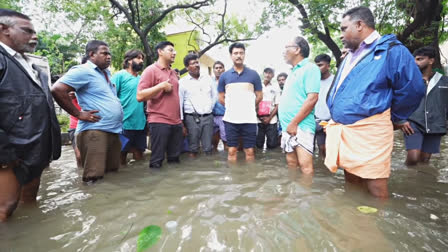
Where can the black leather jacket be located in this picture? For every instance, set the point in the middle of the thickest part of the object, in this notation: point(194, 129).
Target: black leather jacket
point(431, 114)
point(29, 129)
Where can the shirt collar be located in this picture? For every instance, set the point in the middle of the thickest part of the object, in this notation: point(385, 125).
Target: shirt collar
point(368, 41)
point(8, 49)
point(234, 71)
point(93, 66)
point(161, 67)
point(372, 38)
point(301, 64)
point(192, 78)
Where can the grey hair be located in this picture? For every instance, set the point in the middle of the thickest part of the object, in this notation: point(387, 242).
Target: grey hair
point(303, 45)
point(9, 21)
point(7, 17)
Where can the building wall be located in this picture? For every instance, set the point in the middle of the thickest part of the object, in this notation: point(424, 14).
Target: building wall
point(183, 45)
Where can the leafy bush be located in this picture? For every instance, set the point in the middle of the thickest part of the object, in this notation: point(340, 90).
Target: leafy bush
point(64, 122)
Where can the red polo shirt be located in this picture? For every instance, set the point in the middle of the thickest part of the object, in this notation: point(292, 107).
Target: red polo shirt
point(164, 107)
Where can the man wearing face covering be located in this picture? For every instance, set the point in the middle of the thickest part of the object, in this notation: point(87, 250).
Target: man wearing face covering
point(134, 119)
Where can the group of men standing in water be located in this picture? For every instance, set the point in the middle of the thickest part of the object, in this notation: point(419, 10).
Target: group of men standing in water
point(378, 86)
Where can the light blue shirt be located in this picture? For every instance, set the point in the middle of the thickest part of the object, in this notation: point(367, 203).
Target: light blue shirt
point(94, 92)
point(304, 79)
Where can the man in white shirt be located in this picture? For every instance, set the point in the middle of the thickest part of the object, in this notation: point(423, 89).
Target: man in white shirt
point(267, 112)
point(322, 113)
point(197, 98)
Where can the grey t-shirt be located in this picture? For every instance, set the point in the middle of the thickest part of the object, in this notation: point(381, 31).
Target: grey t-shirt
point(321, 110)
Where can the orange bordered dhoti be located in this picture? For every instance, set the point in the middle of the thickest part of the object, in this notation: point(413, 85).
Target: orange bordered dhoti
point(363, 148)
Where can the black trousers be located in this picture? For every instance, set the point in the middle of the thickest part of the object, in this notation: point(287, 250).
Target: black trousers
point(269, 132)
point(165, 138)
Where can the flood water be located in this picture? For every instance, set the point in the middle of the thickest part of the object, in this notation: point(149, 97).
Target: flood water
point(261, 206)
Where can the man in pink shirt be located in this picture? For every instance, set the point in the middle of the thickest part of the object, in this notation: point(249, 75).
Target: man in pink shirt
point(72, 129)
point(159, 86)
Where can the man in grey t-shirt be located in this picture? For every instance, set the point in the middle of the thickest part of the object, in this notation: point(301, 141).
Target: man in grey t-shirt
point(322, 113)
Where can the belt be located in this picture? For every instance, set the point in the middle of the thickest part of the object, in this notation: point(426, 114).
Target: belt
point(203, 115)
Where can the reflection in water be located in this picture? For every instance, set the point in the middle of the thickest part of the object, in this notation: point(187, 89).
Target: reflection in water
point(261, 206)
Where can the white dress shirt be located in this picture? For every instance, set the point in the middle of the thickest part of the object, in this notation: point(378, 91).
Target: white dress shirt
point(196, 95)
point(24, 61)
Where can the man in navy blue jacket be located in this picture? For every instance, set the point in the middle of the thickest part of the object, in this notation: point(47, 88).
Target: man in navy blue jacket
point(426, 126)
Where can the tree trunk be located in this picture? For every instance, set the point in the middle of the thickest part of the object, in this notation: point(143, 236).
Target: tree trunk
point(424, 30)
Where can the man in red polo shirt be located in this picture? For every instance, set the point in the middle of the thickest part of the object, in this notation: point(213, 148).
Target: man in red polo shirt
point(159, 86)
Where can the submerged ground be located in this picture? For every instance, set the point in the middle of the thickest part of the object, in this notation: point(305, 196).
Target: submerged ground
point(244, 207)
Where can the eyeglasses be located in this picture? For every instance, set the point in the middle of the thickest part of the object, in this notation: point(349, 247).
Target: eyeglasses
point(171, 50)
point(286, 47)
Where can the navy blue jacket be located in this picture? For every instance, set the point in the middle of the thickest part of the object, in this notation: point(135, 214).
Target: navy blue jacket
point(432, 113)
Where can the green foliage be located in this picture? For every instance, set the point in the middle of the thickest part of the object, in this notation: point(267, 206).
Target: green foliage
point(10, 4)
point(392, 16)
point(148, 237)
point(60, 52)
point(64, 122)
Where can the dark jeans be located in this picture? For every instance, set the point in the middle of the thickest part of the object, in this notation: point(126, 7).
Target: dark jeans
point(165, 138)
point(200, 133)
point(270, 132)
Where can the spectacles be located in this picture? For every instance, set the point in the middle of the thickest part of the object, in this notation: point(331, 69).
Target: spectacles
point(286, 47)
point(171, 50)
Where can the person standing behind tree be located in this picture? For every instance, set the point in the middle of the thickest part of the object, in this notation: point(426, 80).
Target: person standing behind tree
point(240, 91)
point(134, 119)
point(159, 86)
point(322, 113)
point(197, 98)
point(424, 129)
point(267, 112)
point(218, 110)
point(100, 120)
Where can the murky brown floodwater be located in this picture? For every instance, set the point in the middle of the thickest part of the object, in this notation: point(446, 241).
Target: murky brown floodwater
point(245, 207)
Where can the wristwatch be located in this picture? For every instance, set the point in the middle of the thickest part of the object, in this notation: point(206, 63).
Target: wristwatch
point(3, 166)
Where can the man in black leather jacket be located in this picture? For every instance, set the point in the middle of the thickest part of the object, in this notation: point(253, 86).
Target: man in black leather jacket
point(427, 125)
point(29, 130)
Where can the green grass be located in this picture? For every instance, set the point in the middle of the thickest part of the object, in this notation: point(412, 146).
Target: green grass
point(64, 122)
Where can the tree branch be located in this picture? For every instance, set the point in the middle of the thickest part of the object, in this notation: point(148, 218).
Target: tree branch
point(324, 37)
point(130, 18)
point(195, 5)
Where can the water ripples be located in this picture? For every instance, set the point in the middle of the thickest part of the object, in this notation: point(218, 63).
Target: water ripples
point(261, 206)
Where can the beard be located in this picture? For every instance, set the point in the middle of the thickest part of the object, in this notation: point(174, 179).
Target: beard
point(137, 67)
point(29, 47)
point(423, 67)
